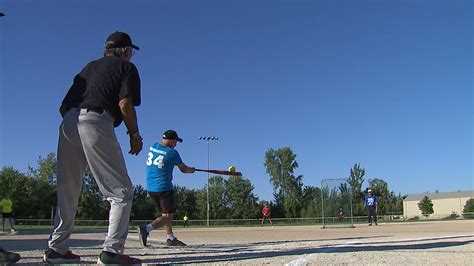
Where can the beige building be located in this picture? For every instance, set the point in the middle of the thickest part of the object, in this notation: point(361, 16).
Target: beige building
point(444, 203)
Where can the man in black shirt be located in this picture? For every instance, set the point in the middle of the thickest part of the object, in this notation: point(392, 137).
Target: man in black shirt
point(102, 95)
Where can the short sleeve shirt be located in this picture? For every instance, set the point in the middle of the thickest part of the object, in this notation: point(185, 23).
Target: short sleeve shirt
point(266, 211)
point(6, 205)
point(371, 200)
point(102, 84)
point(159, 167)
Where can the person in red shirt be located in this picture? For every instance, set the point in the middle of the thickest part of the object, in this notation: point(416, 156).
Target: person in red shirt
point(266, 214)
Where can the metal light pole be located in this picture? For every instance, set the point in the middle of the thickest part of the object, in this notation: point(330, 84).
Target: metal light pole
point(208, 139)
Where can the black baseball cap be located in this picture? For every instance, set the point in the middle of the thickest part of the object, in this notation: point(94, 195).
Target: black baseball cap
point(171, 134)
point(120, 40)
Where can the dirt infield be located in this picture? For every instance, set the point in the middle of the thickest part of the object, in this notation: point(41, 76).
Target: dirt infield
point(420, 243)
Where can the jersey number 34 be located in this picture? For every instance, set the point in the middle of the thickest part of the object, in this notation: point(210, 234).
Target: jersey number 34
point(158, 161)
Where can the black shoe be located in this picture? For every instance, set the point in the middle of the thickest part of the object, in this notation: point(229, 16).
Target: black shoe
point(175, 242)
point(143, 234)
point(7, 257)
point(109, 258)
point(370, 224)
point(53, 257)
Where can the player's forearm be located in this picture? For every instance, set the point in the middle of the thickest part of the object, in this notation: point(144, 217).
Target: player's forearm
point(186, 169)
point(129, 115)
point(190, 170)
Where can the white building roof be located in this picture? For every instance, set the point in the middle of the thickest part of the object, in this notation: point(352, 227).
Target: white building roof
point(441, 195)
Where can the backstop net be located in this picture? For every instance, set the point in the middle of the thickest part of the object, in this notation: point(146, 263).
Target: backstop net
point(336, 202)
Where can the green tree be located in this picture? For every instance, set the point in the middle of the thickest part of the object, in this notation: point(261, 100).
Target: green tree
point(356, 179)
point(43, 196)
point(201, 204)
point(20, 188)
point(217, 200)
point(394, 204)
point(332, 200)
point(287, 188)
point(143, 207)
point(292, 204)
point(468, 210)
point(92, 204)
point(311, 202)
point(426, 206)
point(186, 202)
point(46, 169)
point(380, 189)
point(399, 203)
point(345, 199)
point(240, 199)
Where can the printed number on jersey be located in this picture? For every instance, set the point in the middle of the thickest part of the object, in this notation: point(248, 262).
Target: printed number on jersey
point(158, 160)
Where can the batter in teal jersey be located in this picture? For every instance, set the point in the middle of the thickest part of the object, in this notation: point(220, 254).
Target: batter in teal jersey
point(161, 160)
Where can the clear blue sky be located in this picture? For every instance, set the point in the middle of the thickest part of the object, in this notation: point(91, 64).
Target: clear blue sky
point(387, 84)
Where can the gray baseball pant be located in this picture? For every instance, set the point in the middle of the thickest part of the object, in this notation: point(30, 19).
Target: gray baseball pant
point(88, 138)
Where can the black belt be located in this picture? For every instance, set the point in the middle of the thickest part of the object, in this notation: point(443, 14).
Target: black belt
point(95, 110)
